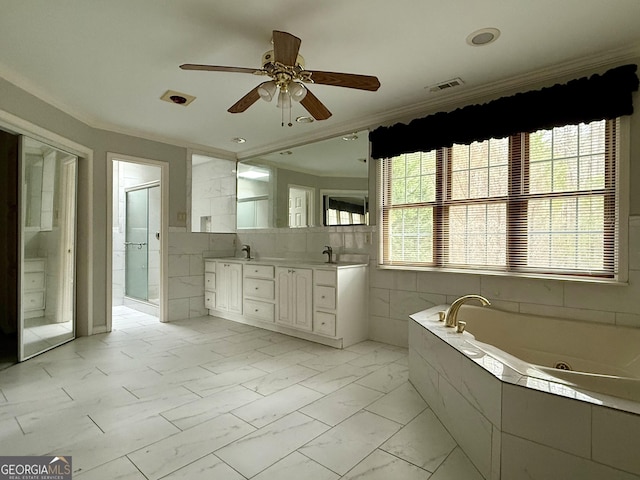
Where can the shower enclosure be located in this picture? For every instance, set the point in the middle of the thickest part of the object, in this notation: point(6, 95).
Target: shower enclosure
point(142, 243)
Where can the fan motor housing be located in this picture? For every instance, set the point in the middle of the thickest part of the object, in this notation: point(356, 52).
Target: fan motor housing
point(267, 59)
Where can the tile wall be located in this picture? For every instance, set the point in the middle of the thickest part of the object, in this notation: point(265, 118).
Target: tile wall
point(186, 269)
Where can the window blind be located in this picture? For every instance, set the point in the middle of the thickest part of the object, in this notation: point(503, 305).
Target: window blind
point(541, 202)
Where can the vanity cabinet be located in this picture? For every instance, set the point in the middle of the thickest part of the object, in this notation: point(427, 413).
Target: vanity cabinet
point(210, 285)
point(259, 289)
point(323, 303)
point(228, 286)
point(34, 287)
point(295, 296)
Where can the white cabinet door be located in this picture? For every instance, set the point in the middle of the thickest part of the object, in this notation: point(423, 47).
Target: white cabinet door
point(229, 287)
point(235, 288)
point(295, 295)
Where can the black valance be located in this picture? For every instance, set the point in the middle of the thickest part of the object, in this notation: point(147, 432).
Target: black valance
point(585, 100)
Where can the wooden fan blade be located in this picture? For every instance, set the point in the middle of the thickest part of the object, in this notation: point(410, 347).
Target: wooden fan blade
point(285, 48)
point(349, 80)
point(219, 68)
point(315, 107)
point(245, 102)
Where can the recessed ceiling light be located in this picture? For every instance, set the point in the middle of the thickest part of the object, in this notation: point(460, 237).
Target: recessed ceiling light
point(350, 137)
point(304, 119)
point(238, 140)
point(483, 37)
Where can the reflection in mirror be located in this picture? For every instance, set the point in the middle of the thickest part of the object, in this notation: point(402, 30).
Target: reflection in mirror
point(213, 194)
point(345, 207)
point(47, 283)
point(301, 206)
point(339, 163)
point(255, 196)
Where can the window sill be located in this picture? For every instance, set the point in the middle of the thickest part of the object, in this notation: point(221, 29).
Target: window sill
point(563, 278)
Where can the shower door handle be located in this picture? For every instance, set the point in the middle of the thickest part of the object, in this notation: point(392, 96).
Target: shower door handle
point(138, 244)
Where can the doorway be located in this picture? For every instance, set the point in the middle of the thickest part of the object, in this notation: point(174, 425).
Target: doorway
point(137, 241)
point(301, 206)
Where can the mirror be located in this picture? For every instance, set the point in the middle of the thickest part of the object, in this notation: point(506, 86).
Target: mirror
point(47, 250)
point(288, 188)
point(213, 194)
point(39, 176)
point(345, 207)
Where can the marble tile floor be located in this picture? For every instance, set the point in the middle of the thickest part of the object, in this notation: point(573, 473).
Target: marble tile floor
point(209, 398)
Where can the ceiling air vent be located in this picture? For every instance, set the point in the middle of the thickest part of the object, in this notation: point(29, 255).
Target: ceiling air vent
point(456, 82)
point(178, 98)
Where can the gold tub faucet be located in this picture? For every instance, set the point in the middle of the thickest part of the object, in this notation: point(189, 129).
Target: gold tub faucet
point(451, 317)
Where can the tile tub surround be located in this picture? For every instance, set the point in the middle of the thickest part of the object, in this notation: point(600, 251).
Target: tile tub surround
point(208, 398)
point(514, 426)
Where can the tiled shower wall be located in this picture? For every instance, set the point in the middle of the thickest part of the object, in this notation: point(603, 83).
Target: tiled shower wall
point(395, 294)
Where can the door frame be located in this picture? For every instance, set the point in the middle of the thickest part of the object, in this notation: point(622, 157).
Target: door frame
point(164, 231)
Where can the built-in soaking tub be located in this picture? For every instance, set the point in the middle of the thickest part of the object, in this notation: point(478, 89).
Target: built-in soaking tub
point(594, 357)
point(528, 396)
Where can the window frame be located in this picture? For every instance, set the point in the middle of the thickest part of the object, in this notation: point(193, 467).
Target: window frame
point(617, 171)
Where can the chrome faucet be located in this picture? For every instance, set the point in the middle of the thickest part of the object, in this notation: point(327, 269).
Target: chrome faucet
point(247, 248)
point(329, 251)
point(451, 317)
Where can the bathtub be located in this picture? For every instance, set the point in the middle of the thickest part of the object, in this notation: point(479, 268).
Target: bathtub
point(591, 357)
point(496, 389)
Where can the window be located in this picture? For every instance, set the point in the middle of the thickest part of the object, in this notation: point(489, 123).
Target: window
point(542, 203)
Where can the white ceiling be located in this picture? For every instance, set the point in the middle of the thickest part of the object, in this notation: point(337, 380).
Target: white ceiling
point(108, 62)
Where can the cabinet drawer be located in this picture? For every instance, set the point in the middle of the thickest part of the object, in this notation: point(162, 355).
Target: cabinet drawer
point(325, 297)
point(325, 277)
point(210, 281)
point(258, 271)
point(256, 288)
point(210, 300)
point(33, 265)
point(33, 301)
point(34, 281)
point(210, 266)
point(325, 323)
point(259, 310)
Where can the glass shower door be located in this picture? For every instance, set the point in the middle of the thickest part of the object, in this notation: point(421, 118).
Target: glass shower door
point(136, 244)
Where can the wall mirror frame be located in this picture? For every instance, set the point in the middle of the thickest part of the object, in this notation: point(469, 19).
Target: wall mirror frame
point(265, 195)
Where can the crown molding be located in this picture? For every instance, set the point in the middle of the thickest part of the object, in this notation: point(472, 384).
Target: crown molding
point(440, 101)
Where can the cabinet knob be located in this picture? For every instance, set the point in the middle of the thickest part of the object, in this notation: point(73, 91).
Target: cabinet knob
point(256, 310)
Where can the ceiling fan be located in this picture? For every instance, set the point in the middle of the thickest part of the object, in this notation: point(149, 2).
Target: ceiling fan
point(286, 68)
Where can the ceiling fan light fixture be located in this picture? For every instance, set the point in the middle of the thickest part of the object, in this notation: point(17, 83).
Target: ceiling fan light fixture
point(284, 99)
point(267, 90)
point(297, 91)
